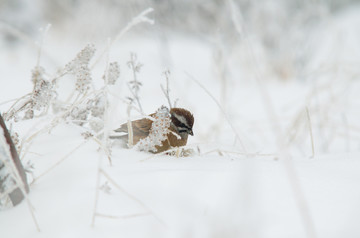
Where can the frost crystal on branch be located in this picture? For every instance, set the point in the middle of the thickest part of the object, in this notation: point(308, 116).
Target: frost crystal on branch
point(83, 78)
point(135, 84)
point(113, 73)
point(158, 132)
point(96, 124)
point(42, 93)
point(80, 68)
point(97, 106)
point(82, 58)
point(39, 99)
point(79, 115)
point(89, 113)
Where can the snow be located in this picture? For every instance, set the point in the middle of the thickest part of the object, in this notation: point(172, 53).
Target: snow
point(222, 191)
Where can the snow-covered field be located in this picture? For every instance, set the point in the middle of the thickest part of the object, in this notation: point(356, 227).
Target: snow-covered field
point(271, 158)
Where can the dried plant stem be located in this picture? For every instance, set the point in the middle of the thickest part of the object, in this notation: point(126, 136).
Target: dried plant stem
point(239, 153)
point(23, 154)
point(131, 196)
point(175, 149)
point(17, 32)
point(347, 137)
point(16, 101)
point(130, 129)
point(24, 189)
point(299, 196)
point(31, 208)
point(105, 144)
point(55, 120)
point(32, 213)
point(294, 128)
point(126, 102)
point(220, 151)
point(103, 147)
point(167, 90)
point(311, 134)
point(123, 216)
point(41, 43)
point(31, 138)
point(136, 97)
point(59, 162)
point(141, 18)
point(221, 109)
point(97, 191)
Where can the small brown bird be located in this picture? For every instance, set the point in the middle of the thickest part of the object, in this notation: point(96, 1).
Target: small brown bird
point(181, 124)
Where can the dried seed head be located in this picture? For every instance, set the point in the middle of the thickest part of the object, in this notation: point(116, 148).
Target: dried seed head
point(158, 132)
point(113, 73)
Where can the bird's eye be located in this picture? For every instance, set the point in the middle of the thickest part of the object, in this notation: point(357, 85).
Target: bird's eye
point(182, 125)
point(182, 130)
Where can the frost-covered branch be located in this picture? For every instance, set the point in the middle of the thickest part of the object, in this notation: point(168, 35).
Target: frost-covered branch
point(141, 18)
point(134, 85)
point(158, 132)
point(166, 90)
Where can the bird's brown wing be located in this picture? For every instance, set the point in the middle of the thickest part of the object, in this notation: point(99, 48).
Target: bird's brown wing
point(140, 128)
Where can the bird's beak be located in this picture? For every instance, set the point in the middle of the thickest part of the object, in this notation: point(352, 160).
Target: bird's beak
point(191, 132)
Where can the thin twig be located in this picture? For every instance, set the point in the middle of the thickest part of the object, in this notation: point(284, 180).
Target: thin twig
point(221, 109)
point(97, 191)
point(347, 140)
point(130, 129)
point(105, 143)
point(134, 89)
point(15, 99)
point(175, 149)
point(56, 120)
point(103, 147)
point(17, 32)
point(123, 216)
point(283, 151)
point(310, 131)
point(40, 45)
point(141, 18)
point(239, 153)
point(136, 97)
point(59, 162)
point(24, 189)
point(167, 90)
point(112, 181)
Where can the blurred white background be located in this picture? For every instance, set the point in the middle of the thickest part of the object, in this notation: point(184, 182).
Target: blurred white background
point(285, 79)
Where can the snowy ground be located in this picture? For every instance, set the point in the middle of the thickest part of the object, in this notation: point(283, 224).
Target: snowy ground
point(273, 188)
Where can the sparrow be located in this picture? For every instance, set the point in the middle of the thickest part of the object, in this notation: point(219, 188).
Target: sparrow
point(181, 124)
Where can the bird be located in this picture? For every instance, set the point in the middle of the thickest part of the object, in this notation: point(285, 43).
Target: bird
point(181, 125)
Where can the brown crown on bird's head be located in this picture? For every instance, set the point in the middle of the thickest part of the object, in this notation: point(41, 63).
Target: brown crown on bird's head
point(183, 120)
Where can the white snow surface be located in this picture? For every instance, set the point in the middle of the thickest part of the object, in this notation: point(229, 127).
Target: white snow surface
point(273, 189)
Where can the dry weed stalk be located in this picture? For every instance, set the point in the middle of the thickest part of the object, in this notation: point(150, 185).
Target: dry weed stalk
point(62, 159)
point(10, 161)
point(84, 103)
point(135, 215)
point(221, 109)
point(311, 134)
point(145, 207)
point(302, 204)
point(166, 90)
point(134, 87)
point(141, 18)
